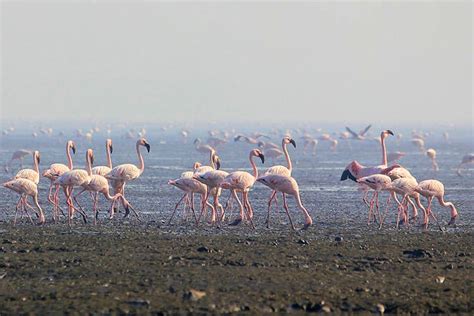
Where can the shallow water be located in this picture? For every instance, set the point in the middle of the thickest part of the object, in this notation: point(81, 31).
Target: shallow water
point(330, 201)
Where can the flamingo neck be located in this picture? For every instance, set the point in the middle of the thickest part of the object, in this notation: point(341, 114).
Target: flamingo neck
point(69, 157)
point(141, 162)
point(384, 151)
point(287, 155)
point(443, 203)
point(211, 160)
point(35, 163)
point(254, 167)
point(88, 165)
point(109, 197)
point(109, 158)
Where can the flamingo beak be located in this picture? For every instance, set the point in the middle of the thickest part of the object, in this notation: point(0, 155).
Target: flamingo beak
point(92, 159)
point(38, 158)
point(147, 147)
point(390, 132)
point(73, 147)
point(218, 164)
point(347, 174)
point(292, 141)
point(111, 149)
point(195, 141)
point(262, 157)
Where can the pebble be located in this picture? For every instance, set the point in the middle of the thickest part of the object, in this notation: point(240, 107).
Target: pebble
point(380, 308)
point(338, 239)
point(194, 295)
point(440, 279)
point(303, 242)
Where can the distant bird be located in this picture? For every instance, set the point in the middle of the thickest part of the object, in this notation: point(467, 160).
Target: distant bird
point(124, 173)
point(435, 189)
point(242, 181)
point(247, 139)
point(361, 135)
point(31, 174)
point(103, 170)
point(25, 188)
point(202, 148)
point(17, 155)
point(419, 143)
point(287, 185)
point(431, 153)
point(466, 160)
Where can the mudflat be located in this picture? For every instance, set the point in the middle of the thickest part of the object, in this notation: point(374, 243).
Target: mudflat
point(128, 267)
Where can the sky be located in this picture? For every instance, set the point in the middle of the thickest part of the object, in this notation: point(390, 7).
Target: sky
point(355, 62)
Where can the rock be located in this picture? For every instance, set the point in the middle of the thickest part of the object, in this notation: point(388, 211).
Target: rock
point(302, 242)
point(417, 253)
point(194, 295)
point(326, 309)
point(338, 238)
point(380, 308)
point(139, 302)
point(203, 249)
point(440, 279)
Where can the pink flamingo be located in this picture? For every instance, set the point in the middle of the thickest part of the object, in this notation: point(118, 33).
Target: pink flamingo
point(431, 153)
point(376, 182)
point(287, 185)
point(280, 170)
point(213, 179)
point(99, 184)
point(435, 189)
point(242, 181)
point(75, 178)
point(355, 170)
point(56, 170)
point(103, 170)
point(190, 186)
point(17, 155)
point(466, 160)
point(124, 173)
point(25, 188)
point(31, 174)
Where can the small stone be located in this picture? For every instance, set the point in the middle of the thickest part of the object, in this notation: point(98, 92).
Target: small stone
point(203, 249)
point(326, 309)
point(338, 239)
point(303, 242)
point(380, 308)
point(139, 302)
point(440, 279)
point(194, 295)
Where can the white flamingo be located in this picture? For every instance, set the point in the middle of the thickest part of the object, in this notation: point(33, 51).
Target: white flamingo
point(124, 173)
point(25, 188)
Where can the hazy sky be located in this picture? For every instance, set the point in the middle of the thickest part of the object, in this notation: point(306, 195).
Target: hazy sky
point(361, 62)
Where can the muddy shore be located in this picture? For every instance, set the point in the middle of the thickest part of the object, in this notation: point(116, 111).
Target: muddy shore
point(153, 268)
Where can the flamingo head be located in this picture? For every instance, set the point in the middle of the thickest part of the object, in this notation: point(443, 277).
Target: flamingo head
point(36, 154)
point(72, 145)
point(143, 142)
point(196, 165)
point(197, 141)
point(385, 133)
point(217, 160)
point(289, 140)
point(350, 171)
point(108, 144)
point(258, 153)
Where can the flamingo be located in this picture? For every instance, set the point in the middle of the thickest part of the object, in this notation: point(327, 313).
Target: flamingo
point(431, 153)
point(212, 178)
point(287, 185)
point(190, 186)
point(401, 173)
point(376, 182)
point(281, 170)
point(391, 157)
point(124, 173)
point(435, 189)
point(360, 135)
point(202, 148)
point(25, 188)
point(419, 143)
point(56, 170)
point(466, 160)
point(355, 170)
point(75, 178)
point(98, 184)
point(17, 155)
point(31, 174)
point(103, 170)
point(242, 181)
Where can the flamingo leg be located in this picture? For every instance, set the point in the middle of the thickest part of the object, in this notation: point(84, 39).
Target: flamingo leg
point(176, 207)
point(238, 220)
point(285, 206)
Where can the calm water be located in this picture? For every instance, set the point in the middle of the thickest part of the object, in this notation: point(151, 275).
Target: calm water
point(330, 201)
